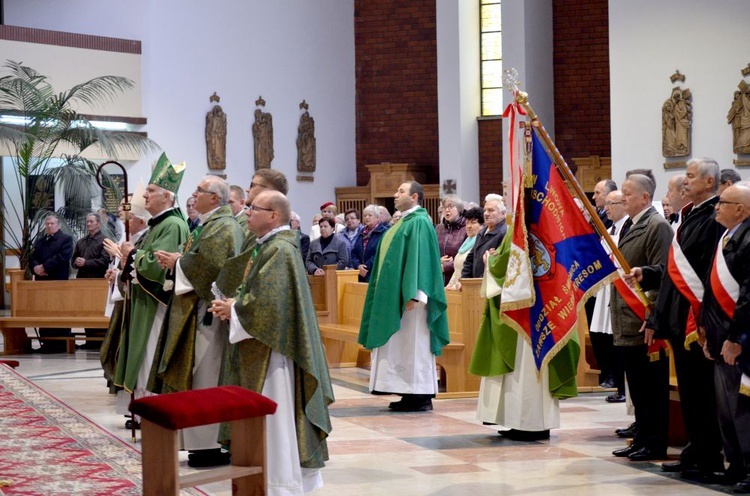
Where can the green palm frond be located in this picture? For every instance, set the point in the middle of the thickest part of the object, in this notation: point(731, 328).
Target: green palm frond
point(50, 121)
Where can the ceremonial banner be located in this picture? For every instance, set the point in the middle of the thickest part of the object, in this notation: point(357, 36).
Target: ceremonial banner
point(567, 261)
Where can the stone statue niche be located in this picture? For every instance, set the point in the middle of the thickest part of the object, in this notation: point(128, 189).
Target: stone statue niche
point(216, 136)
point(739, 118)
point(306, 148)
point(262, 136)
point(676, 120)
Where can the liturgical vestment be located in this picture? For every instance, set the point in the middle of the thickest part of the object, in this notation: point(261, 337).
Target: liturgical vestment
point(405, 343)
point(276, 350)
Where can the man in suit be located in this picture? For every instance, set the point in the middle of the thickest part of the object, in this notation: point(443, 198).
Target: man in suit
point(601, 190)
point(489, 238)
point(676, 312)
point(51, 262)
point(724, 315)
point(644, 240)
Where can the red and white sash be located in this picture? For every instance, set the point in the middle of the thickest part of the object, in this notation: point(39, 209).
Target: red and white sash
point(725, 287)
point(688, 284)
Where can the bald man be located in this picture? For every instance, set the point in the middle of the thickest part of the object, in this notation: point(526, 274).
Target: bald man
point(724, 315)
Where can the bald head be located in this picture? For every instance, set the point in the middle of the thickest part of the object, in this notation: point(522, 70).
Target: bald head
point(734, 205)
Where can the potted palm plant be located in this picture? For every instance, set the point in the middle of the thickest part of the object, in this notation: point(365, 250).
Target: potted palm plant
point(46, 137)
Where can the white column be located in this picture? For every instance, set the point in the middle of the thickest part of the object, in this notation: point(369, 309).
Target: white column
point(458, 94)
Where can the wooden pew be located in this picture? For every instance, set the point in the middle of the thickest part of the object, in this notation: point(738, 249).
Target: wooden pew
point(340, 336)
point(74, 303)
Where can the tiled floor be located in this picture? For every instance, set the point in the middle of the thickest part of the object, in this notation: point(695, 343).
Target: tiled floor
point(445, 452)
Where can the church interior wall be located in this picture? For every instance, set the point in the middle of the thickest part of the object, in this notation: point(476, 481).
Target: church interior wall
point(284, 51)
point(707, 42)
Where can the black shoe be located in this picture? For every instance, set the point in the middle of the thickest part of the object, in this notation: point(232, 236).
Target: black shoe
point(48, 349)
point(615, 398)
point(627, 451)
point(607, 384)
point(742, 487)
point(676, 466)
point(130, 422)
point(402, 406)
point(519, 435)
point(647, 454)
point(628, 432)
point(209, 458)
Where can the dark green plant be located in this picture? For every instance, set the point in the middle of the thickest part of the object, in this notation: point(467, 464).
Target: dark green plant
point(47, 140)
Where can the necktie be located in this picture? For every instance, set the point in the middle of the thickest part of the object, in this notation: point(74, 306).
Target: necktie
point(613, 230)
point(724, 241)
point(626, 227)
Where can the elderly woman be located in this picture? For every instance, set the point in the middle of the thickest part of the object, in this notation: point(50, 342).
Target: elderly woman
point(474, 221)
point(363, 251)
point(328, 249)
point(450, 233)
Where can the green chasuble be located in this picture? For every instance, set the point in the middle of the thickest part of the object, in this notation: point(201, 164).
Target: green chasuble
point(275, 307)
point(209, 247)
point(232, 274)
point(167, 232)
point(495, 350)
point(407, 260)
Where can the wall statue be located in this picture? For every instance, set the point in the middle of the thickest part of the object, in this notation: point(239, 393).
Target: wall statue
point(739, 117)
point(263, 136)
point(306, 150)
point(676, 121)
point(216, 136)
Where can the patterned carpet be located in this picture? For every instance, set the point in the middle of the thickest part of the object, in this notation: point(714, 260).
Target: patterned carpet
point(46, 448)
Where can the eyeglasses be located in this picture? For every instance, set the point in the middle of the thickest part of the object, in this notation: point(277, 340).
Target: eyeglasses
point(609, 204)
point(256, 207)
point(449, 206)
point(724, 202)
point(252, 185)
point(201, 190)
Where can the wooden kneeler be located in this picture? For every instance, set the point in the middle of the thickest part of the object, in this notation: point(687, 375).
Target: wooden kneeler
point(163, 415)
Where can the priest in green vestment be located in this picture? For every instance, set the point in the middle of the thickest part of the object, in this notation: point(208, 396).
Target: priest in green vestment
point(191, 344)
point(231, 276)
point(405, 319)
point(276, 349)
point(150, 288)
point(137, 227)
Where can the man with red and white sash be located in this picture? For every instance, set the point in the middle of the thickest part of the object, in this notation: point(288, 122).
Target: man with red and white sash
point(676, 313)
point(725, 313)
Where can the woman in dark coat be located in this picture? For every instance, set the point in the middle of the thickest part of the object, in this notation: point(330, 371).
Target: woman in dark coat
point(328, 249)
point(363, 251)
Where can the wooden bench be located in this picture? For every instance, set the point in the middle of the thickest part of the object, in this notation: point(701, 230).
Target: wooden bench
point(75, 303)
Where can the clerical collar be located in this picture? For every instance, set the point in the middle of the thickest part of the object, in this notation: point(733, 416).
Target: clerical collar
point(271, 233)
point(154, 220)
point(407, 212)
point(204, 217)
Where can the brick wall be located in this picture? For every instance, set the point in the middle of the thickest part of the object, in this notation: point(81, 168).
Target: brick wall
point(490, 156)
point(396, 84)
point(581, 65)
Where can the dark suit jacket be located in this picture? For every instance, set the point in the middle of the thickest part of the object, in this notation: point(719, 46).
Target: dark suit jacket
point(698, 235)
point(646, 243)
point(474, 265)
point(304, 244)
point(719, 327)
point(54, 252)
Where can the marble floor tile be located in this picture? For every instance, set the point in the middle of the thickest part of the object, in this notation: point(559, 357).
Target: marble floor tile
point(444, 452)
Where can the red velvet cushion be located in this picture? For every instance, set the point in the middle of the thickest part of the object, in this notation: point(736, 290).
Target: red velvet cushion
point(202, 407)
point(10, 363)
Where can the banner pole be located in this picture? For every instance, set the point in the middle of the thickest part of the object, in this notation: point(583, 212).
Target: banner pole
point(522, 98)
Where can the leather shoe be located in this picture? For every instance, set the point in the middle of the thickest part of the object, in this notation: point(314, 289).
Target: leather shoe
point(623, 452)
point(646, 454)
point(627, 432)
point(742, 487)
point(676, 466)
point(209, 458)
point(607, 384)
point(519, 435)
point(615, 398)
point(410, 407)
